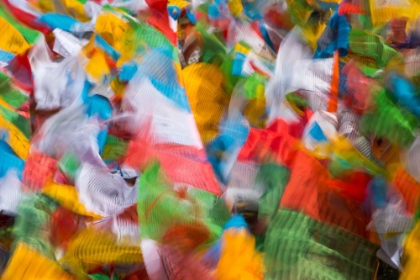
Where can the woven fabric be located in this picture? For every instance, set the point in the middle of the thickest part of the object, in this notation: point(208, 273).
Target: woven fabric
point(125, 226)
point(54, 87)
point(180, 266)
point(114, 149)
point(68, 198)
point(392, 223)
point(32, 225)
point(64, 224)
point(19, 45)
point(18, 130)
point(102, 192)
point(368, 45)
point(100, 247)
point(298, 247)
point(111, 28)
point(27, 263)
point(30, 35)
point(39, 168)
point(359, 87)
point(383, 11)
point(238, 259)
point(255, 109)
point(311, 76)
point(399, 126)
point(70, 131)
point(10, 94)
point(334, 37)
point(311, 191)
point(11, 193)
point(10, 162)
point(412, 165)
point(349, 125)
point(271, 144)
point(160, 207)
point(183, 164)
point(409, 189)
point(274, 178)
point(411, 257)
point(204, 87)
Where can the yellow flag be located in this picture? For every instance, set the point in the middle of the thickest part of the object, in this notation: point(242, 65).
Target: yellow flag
point(411, 256)
point(67, 197)
point(10, 38)
point(97, 66)
point(238, 259)
point(383, 11)
point(26, 263)
point(204, 87)
point(111, 28)
point(98, 247)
